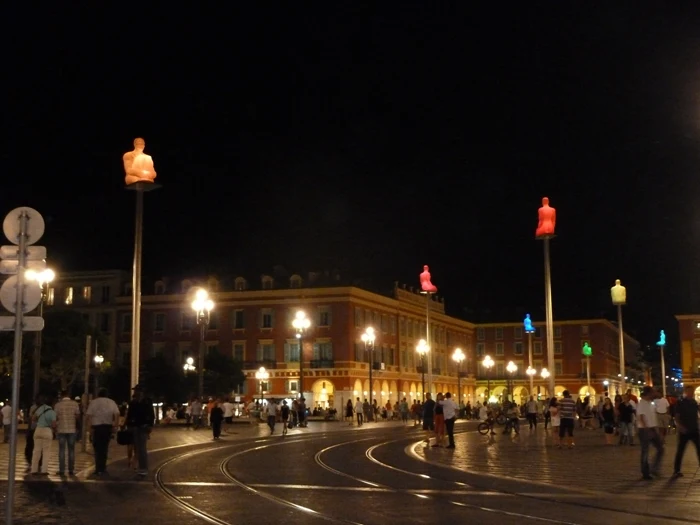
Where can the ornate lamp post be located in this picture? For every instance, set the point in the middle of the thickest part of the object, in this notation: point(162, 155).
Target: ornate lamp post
point(488, 363)
point(99, 359)
point(511, 368)
point(43, 277)
point(423, 349)
point(545, 374)
point(301, 324)
point(459, 357)
point(368, 339)
point(262, 376)
point(189, 365)
point(531, 372)
point(619, 299)
point(203, 306)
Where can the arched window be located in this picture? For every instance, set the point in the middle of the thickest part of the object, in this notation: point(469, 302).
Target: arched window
point(240, 284)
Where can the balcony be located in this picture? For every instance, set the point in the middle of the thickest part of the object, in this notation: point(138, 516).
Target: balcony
point(322, 363)
point(583, 375)
point(462, 374)
point(377, 366)
point(254, 365)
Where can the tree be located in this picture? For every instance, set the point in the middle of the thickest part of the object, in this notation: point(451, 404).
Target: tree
point(117, 380)
point(162, 380)
point(222, 374)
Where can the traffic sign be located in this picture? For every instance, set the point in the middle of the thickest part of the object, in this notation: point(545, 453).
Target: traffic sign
point(10, 267)
point(11, 252)
point(35, 225)
point(29, 323)
point(8, 295)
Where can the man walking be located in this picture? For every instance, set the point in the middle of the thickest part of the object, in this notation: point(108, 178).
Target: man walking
point(567, 413)
point(103, 419)
point(359, 411)
point(450, 414)
point(648, 432)
point(532, 413)
point(687, 411)
point(6, 416)
point(271, 414)
point(140, 419)
point(67, 415)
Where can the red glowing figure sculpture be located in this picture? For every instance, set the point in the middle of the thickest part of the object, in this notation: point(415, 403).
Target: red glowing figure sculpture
point(548, 219)
point(425, 283)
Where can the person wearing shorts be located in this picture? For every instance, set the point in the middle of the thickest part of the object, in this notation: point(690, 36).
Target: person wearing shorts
point(284, 414)
point(555, 420)
point(567, 413)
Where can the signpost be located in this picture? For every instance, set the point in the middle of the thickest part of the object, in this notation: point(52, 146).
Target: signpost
point(23, 227)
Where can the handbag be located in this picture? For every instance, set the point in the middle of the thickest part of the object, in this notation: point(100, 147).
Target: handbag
point(125, 437)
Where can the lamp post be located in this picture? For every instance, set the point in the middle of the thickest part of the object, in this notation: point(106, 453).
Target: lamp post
point(511, 368)
point(368, 339)
point(189, 365)
point(619, 298)
point(488, 363)
point(531, 372)
point(459, 357)
point(203, 306)
point(545, 374)
point(662, 344)
point(301, 324)
point(423, 349)
point(43, 277)
point(262, 375)
point(99, 359)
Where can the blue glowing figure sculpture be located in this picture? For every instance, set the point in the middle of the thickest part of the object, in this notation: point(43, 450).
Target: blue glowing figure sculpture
point(662, 339)
point(529, 329)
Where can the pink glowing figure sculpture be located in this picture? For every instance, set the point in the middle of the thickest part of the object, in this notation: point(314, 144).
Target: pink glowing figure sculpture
point(548, 219)
point(425, 283)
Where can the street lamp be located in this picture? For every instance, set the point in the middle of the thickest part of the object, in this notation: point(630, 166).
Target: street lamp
point(189, 365)
point(203, 306)
point(531, 372)
point(99, 359)
point(301, 324)
point(422, 348)
point(368, 339)
point(262, 376)
point(488, 363)
point(459, 357)
point(511, 368)
point(545, 374)
point(43, 277)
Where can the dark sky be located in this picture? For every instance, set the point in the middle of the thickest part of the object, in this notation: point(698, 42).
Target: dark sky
point(374, 140)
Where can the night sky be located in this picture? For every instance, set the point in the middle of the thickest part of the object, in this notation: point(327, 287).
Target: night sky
point(373, 138)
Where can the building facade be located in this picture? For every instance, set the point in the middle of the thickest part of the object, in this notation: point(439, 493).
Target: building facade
point(689, 330)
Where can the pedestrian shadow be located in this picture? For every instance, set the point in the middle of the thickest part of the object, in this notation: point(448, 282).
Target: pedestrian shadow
point(44, 490)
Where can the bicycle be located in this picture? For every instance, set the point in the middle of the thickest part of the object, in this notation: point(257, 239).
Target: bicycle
point(486, 427)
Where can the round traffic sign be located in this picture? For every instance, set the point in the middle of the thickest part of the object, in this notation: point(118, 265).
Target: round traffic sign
point(30, 300)
point(35, 225)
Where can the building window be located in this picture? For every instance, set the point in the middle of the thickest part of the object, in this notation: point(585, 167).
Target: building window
point(410, 328)
point(50, 296)
point(360, 352)
point(213, 321)
point(266, 318)
point(324, 316)
point(324, 350)
point(557, 348)
point(538, 365)
point(238, 320)
point(159, 323)
point(500, 369)
point(696, 345)
point(392, 323)
point(158, 350)
point(537, 348)
point(186, 321)
point(160, 288)
point(359, 318)
point(402, 326)
point(105, 322)
point(557, 332)
point(518, 348)
point(518, 332)
point(69, 295)
point(240, 284)
point(291, 351)
point(126, 358)
point(293, 385)
point(584, 329)
point(480, 334)
point(499, 333)
point(480, 349)
point(295, 281)
point(499, 348)
point(128, 288)
point(404, 357)
point(126, 324)
point(105, 295)
point(267, 282)
point(212, 348)
point(558, 369)
point(239, 351)
point(87, 293)
point(266, 352)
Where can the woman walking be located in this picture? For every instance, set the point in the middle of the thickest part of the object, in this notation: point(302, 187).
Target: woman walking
point(555, 420)
point(45, 419)
point(607, 415)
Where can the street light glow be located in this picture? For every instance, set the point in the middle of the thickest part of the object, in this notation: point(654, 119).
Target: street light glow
point(301, 323)
point(202, 303)
point(511, 367)
point(458, 356)
point(422, 347)
point(544, 373)
point(99, 359)
point(43, 277)
point(488, 362)
point(530, 371)
point(369, 336)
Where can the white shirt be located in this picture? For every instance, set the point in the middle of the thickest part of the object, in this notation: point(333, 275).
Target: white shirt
point(271, 409)
point(661, 405)
point(532, 407)
point(228, 409)
point(449, 408)
point(6, 415)
point(358, 407)
point(646, 409)
point(102, 411)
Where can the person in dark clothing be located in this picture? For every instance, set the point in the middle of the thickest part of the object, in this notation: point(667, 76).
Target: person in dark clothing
point(686, 416)
point(139, 419)
point(284, 411)
point(216, 417)
point(428, 416)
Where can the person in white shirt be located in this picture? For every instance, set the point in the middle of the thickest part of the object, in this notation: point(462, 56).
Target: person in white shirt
point(359, 411)
point(648, 432)
point(272, 410)
point(6, 413)
point(532, 413)
point(228, 412)
point(663, 417)
point(449, 408)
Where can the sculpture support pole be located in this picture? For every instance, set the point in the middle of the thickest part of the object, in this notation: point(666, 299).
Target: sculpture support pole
point(427, 336)
point(136, 289)
point(37, 349)
point(588, 375)
point(422, 375)
point(529, 353)
point(200, 360)
point(663, 371)
point(370, 349)
point(550, 316)
point(301, 365)
point(621, 344)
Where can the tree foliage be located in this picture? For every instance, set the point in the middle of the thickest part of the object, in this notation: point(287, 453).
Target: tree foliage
point(222, 374)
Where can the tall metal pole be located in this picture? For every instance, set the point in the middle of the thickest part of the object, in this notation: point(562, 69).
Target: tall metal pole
point(301, 364)
point(136, 289)
point(621, 344)
point(459, 384)
point(86, 381)
point(370, 349)
point(663, 371)
point(16, 365)
point(529, 353)
point(588, 375)
point(200, 361)
point(488, 385)
point(422, 374)
point(550, 316)
point(37, 348)
point(427, 338)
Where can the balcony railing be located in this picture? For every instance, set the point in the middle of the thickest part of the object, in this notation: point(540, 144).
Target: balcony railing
point(322, 363)
point(254, 365)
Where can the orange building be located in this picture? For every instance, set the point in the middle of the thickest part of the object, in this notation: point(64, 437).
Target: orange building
point(689, 330)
